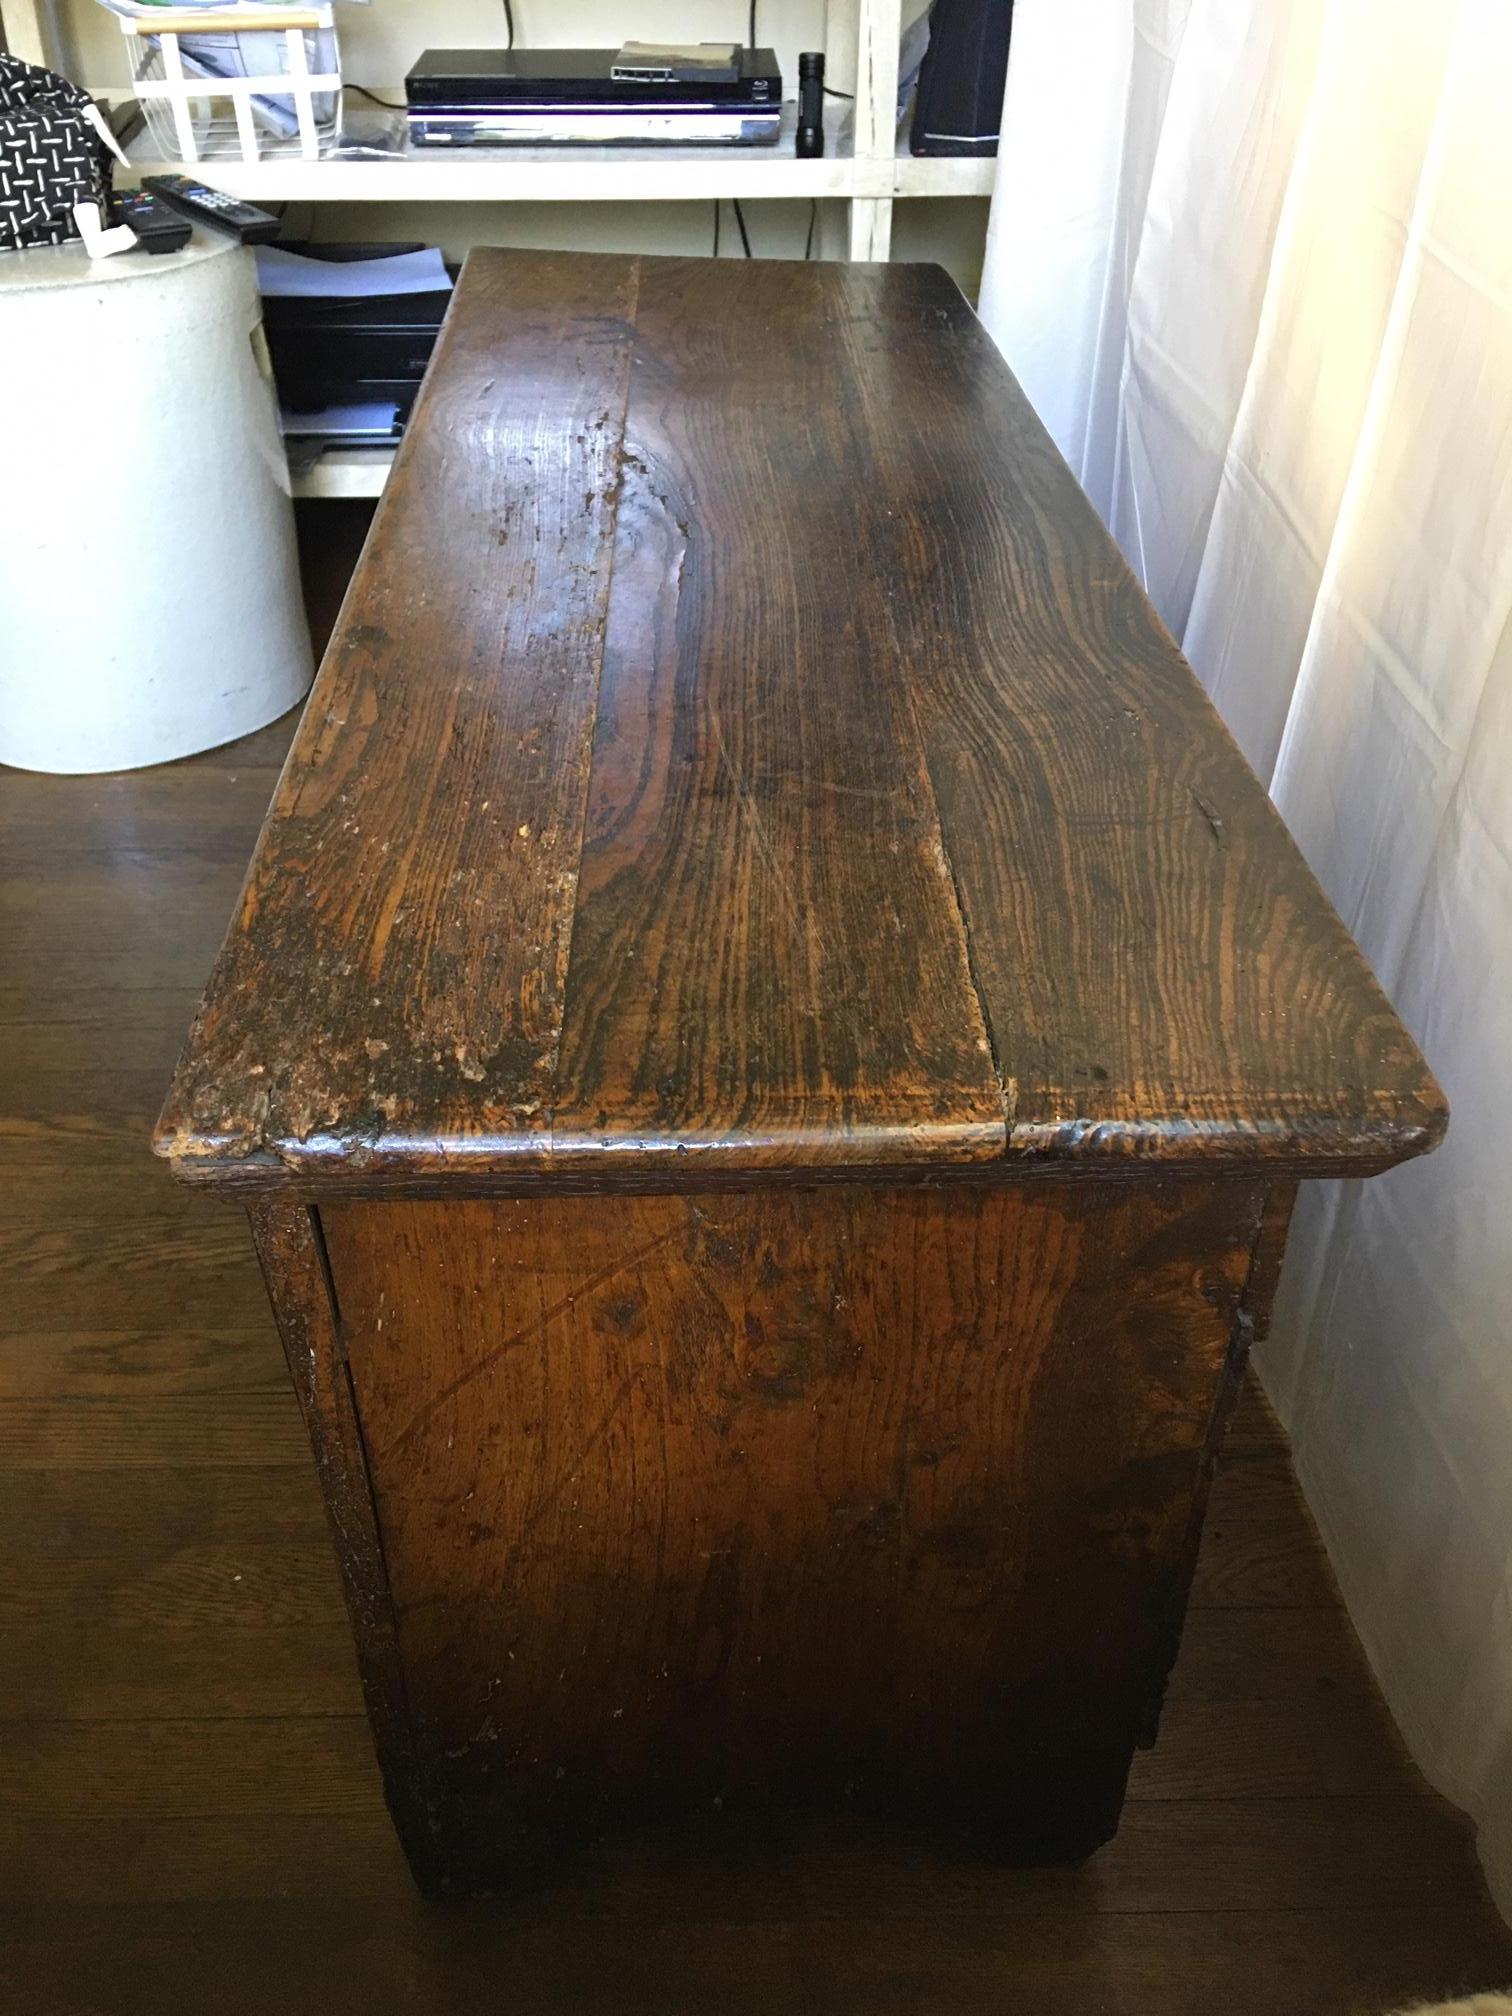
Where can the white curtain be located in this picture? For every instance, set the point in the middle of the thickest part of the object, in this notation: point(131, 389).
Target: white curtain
point(1252, 262)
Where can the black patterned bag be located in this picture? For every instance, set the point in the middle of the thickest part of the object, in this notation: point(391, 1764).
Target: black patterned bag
point(51, 156)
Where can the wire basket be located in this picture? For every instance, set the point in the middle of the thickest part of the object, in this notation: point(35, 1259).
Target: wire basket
point(240, 80)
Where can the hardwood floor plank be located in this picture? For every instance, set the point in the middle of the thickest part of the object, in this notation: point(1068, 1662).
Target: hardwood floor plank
point(82, 1199)
point(66, 1519)
point(134, 1028)
point(285, 1764)
point(1269, 1654)
point(41, 978)
point(1258, 1547)
point(278, 1956)
point(324, 1764)
point(1234, 1856)
point(1327, 1747)
point(149, 898)
point(140, 1861)
point(112, 1364)
point(193, 1587)
point(212, 808)
point(1254, 1429)
point(190, 1430)
point(68, 1277)
point(48, 1118)
point(144, 1673)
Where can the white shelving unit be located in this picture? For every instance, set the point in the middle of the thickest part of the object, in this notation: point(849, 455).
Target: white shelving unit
point(344, 472)
point(864, 165)
point(585, 174)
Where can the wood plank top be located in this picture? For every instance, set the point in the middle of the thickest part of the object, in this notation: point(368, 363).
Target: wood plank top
point(743, 752)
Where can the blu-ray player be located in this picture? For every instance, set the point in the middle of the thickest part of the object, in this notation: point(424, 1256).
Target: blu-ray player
point(537, 97)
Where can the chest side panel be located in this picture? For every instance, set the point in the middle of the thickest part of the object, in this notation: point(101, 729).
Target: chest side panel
point(865, 1494)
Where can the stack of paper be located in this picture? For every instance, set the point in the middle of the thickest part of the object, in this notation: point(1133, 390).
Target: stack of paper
point(290, 274)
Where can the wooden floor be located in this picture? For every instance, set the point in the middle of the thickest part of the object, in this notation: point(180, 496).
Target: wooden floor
point(190, 1817)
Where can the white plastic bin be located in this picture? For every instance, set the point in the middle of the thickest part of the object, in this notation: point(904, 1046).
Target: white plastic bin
point(215, 80)
point(149, 585)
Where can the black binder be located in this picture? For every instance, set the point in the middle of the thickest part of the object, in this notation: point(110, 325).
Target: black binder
point(959, 106)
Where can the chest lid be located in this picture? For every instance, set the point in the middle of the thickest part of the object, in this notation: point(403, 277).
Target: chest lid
point(744, 755)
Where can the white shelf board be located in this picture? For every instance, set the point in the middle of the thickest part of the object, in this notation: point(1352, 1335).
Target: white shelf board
point(578, 174)
point(566, 174)
point(345, 472)
point(942, 174)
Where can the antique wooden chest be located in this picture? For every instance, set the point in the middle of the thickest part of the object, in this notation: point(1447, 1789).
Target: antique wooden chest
point(768, 1042)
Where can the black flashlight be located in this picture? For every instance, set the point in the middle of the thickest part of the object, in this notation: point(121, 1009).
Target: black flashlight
point(809, 140)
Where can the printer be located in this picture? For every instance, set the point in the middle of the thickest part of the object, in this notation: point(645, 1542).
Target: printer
point(338, 348)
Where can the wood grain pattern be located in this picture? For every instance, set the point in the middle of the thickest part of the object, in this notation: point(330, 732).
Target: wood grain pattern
point(768, 964)
point(878, 1496)
point(397, 964)
point(1163, 975)
point(910, 845)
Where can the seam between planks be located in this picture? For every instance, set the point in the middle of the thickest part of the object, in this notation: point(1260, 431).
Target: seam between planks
point(611, 534)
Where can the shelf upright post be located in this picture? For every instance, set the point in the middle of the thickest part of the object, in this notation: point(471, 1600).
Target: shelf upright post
point(879, 33)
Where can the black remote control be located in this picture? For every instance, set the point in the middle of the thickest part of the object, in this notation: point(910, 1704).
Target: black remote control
point(241, 221)
point(157, 227)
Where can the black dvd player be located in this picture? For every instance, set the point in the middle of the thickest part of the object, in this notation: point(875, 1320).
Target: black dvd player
point(450, 79)
point(494, 97)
